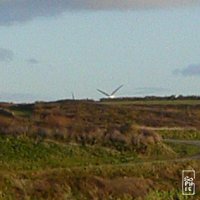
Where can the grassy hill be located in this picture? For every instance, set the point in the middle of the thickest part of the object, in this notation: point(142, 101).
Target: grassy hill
point(98, 150)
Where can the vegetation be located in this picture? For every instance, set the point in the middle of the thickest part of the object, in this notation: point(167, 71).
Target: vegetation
point(27, 154)
point(80, 150)
point(183, 134)
point(184, 150)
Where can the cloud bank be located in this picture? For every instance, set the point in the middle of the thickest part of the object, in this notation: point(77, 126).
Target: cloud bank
point(6, 55)
point(191, 70)
point(12, 11)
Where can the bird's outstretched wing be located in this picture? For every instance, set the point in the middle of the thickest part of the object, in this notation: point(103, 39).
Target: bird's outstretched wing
point(103, 92)
point(116, 90)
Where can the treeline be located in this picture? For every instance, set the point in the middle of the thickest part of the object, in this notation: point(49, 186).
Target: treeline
point(172, 97)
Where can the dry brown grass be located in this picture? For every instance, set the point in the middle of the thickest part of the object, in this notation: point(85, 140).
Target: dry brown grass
point(90, 183)
point(115, 126)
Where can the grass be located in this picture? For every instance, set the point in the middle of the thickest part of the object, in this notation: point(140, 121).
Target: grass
point(169, 195)
point(31, 169)
point(27, 154)
point(143, 181)
point(22, 110)
point(23, 153)
point(183, 134)
point(184, 150)
point(39, 168)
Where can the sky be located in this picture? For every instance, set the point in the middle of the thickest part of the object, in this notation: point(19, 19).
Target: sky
point(50, 49)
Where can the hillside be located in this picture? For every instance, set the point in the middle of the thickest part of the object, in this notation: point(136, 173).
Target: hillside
point(98, 150)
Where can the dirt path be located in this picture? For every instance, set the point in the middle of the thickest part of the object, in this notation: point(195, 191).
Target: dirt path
point(169, 128)
point(119, 165)
point(192, 142)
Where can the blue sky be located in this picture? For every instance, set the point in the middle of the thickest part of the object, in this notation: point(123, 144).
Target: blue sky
point(48, 51)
